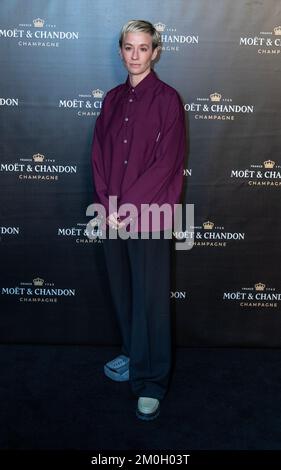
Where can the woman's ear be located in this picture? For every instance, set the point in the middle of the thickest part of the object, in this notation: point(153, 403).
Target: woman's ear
point(155, 53)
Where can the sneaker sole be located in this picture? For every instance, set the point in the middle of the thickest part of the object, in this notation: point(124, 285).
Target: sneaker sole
point(148, 416)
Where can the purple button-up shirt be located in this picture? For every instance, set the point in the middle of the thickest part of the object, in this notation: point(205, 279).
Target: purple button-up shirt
point(139, 147)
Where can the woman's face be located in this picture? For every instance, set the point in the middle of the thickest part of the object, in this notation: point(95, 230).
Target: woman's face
point(137, 53)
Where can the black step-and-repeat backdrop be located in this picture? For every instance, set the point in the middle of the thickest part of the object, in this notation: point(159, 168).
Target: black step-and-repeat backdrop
point(58, 59)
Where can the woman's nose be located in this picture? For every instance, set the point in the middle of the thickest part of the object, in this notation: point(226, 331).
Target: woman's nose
point(135, 54)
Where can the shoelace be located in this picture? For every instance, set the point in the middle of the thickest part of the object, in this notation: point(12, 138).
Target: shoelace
point(115, 364)
point(118, 363)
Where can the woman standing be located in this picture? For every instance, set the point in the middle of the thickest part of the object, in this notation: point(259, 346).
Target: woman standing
point(138, 154)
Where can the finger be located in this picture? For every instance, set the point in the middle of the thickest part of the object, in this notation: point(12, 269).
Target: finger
point(114, 216)
point(113, 220)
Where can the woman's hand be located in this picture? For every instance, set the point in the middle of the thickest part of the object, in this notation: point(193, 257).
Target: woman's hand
point(113, 221)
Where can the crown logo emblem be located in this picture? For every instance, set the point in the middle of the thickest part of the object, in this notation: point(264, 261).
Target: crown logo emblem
point(160, 27)
point(37, 157)
point(268, 164)
point(215, 96)
point(277, 30)
point(38, 23)
point(97, 93)
point(208, 225)
point(260, 286)
point(38, 281)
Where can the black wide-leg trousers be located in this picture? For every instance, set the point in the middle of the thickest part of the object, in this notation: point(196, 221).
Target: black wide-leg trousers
point(139, 278)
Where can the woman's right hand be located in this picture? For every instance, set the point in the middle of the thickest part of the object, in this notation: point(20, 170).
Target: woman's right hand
point(113, 222)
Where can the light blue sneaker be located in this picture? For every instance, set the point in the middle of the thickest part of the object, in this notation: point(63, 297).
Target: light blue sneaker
point(148, 408)
point(118, 368)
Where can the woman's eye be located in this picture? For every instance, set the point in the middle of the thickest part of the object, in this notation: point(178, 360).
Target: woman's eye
point(128, 48)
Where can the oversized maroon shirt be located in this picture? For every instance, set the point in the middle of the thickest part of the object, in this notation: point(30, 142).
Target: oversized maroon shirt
point(139, 147)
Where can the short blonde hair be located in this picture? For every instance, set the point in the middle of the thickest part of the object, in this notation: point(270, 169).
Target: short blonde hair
point(140, 26)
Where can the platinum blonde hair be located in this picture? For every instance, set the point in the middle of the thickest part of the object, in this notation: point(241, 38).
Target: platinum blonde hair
point(141, 26)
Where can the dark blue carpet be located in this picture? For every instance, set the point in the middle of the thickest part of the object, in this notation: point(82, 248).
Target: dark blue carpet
point(56, 397)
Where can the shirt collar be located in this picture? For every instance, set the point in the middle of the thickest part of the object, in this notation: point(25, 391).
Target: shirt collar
point(148, 81)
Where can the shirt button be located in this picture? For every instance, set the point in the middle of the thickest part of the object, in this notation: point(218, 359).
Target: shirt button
point(133, 90)
point(125, 141)
point(125, 161)
point(126, 119)
point(131, 99)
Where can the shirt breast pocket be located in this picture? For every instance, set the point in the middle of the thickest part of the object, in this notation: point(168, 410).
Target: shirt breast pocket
point(151, 146)
point(158, 136)
point(154, 136)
